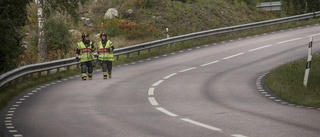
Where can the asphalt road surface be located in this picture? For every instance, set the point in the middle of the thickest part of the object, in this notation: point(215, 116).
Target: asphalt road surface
point(208, 91)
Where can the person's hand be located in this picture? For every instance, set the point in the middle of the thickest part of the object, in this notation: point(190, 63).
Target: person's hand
point(77, 59)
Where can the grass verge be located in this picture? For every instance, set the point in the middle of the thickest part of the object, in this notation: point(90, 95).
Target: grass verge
point(286, 82)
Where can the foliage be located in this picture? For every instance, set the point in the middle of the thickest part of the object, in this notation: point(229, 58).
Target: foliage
point(130, 29)
point(58, 38)
point(12, 17)
point(146, 3)
point(294, 7)
point(287, 82)
point(65, 6)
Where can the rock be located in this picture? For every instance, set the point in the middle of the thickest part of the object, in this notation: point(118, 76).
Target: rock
point(128, 13)
point(111, 13)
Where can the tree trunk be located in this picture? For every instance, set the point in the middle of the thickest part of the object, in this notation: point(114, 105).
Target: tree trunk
point(42, 48)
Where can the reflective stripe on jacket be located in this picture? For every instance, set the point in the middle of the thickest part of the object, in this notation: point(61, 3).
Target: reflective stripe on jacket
point(86, 53)
point(105, 52)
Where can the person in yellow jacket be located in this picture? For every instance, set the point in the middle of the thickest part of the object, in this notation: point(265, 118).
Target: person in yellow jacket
point(84, 52)
point(105, 55)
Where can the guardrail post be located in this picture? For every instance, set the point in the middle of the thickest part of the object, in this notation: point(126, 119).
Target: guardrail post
point(139, 53)
point(149, 50)
point(58, 70)
point(48, 72)
point(31, 76)
point(128, 55)
point(39, 74)
point(117, 57)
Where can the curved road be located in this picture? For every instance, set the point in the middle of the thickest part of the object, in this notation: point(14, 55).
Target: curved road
point(211, 90)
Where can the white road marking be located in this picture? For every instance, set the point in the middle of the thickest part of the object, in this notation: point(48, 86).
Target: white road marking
point(166, 112)
point(169, 76)
point(9, 114)
point(238, 135)
point(13, 131)
point(289, 40)
point(12, 108)
point(201, 124)
point(34, 91)
point(233, 55)
point(260, 48)
point(18, 102)
point(188, 69)
point(153, 101)
point(26, 96)
point(18, 135)
point(30, 93)
point(210, 63)
point(314, 35)
point(157, 83)
point(15, 105)
point(10, 111)
point(10, 127)
point(8, 121)
point(151, 91)
point(22, 99)
point(9, 124)
point(206, 45)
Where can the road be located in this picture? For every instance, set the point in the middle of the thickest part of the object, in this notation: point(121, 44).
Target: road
point(210, 90)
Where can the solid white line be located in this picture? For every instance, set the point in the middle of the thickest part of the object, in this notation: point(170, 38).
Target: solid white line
point(169, 76)
point(289, 40)
point(188, 69)
point(201, 124)
point(151, 92)
point(166, 112)
point(233, 55)
point(210, 63)
point(260, 48)
point(153, 101)
point(314, 35)
point(157, 83)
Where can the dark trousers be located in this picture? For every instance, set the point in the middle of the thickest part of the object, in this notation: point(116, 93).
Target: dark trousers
point(106, 67)
point(86, 67)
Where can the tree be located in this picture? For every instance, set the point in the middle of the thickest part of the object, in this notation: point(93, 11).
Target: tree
point(45, 8)
point(12, 17)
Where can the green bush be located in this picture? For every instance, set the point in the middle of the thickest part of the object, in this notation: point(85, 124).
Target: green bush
point(58, 38)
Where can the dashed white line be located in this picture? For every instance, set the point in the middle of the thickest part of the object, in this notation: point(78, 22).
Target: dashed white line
point(13, 131)
point(153, 101)
point(234, 55)
point(169, 76)
point(151, 91)
point(17, 135)
point(201, 124)
point(210, 63)
point(157, 83)
point(166, 111)
point(289, 40)
point(238, 135)
point(185, 70)
point(260, 48)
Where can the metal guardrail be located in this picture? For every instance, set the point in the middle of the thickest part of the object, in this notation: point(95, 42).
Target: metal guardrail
point(28, 71)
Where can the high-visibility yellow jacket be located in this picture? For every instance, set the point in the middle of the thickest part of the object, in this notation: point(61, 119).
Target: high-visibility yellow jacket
point(105, 51)
point(86, 51)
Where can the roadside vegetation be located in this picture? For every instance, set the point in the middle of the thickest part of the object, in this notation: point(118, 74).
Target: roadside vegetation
point(286, 82)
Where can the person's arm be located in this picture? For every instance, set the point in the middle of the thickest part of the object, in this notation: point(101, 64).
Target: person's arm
point(77, 53)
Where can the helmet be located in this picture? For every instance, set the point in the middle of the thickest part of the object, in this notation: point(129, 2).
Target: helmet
point(84, 34)
point(103, 34)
